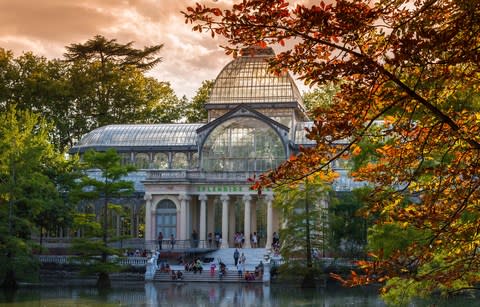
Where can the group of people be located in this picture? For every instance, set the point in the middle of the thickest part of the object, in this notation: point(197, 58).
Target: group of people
point(135, 253)
point(194, 266)
point(178, 275)
point(160, 240)
point(239, 239)
point(276, 244)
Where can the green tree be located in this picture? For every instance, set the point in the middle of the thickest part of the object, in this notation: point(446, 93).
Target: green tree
point(305, 224)
point(27, 187)
point(348, 227)
point(101, 82)
point(195, 111)
point(109, 186)
point(320, 96)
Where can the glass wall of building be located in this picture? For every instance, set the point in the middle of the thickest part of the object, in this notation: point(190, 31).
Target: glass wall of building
point(242, 144)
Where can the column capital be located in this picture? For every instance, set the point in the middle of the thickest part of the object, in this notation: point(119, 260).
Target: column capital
point(184, 197)
point(224, 197)
point(202, 197)
point(269, 197)
point(147, 196)
point(247, 197)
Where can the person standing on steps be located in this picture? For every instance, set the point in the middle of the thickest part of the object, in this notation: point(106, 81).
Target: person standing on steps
point(254, 240)
point(242, 259)
point(236, 255)
point(160, 239)
point(172, 241)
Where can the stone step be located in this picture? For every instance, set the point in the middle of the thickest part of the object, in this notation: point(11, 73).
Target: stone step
point(206, 276)
point(253, 256)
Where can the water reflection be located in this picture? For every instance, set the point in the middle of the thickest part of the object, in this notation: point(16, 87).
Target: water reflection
point(204, 294)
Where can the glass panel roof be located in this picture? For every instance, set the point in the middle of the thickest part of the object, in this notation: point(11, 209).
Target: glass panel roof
point(247, 80)
point(301, 135)
point(141, 135)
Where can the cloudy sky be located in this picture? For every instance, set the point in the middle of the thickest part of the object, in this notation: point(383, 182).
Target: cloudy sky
point(47, 26)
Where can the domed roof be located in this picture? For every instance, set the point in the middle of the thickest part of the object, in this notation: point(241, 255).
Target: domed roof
point(247, 80)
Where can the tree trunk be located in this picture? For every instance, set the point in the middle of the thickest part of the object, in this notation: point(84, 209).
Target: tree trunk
point(10, 281)
point(309, 279)
point(103, 281)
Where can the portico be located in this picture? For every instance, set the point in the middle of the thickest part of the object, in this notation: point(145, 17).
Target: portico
point(209, 208)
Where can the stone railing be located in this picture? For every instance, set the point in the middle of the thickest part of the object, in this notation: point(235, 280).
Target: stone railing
point(65, 242)
point(125, 261)
point(195, 175)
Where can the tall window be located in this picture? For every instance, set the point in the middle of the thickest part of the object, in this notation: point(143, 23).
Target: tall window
point(242, 144)
point(160, 160)
point(142, 160)
point(166, 218)
point(180, 160)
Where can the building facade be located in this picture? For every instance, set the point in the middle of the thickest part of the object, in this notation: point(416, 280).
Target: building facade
point(193, 178)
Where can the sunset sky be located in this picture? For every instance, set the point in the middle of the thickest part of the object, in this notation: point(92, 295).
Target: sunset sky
point(47, 26)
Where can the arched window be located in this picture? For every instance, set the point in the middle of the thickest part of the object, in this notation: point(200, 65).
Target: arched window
point(242, 144)
point(142, 160)
point(180, 160)
point(194, 161)
point(166, 218)
point(125, 158)
point(160, 160)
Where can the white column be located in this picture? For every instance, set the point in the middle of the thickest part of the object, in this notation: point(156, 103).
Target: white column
point(231, 222)
point(224, 198)
point(153, 222)
point(184, 206)
point(148, 216)
point(203, 218)
point(269, 199)
point(118, 222)
point(247, 215)
point(210, 215)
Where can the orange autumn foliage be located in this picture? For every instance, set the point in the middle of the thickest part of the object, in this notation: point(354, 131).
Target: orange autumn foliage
point(414, 64)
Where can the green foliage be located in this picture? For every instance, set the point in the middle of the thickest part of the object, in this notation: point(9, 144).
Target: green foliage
point(348, 228)
point(103, 50)
point(305, 218)
point(195, 111)
point(31, 172)
point(320, 96)
point(100, 82)
point(94, 247)
point(393, 237)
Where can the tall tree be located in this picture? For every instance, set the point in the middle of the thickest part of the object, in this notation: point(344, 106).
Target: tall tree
point(413, 64)
point(101, 82)
point(27, 187)
point(108, 80)
point(195, 111)
point(110, 185)
point(305, 212)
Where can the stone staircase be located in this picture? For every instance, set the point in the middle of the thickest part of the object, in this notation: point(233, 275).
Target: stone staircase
point(206, 276)
point(253, 257)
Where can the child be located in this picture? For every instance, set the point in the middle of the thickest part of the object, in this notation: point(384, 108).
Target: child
point(213, 266)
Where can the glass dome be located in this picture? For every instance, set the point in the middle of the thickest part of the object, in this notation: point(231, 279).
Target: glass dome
point(141, 135)
point(242, 144)
point(247, 80)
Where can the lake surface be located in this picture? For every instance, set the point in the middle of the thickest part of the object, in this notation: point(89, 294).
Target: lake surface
point(205, 294)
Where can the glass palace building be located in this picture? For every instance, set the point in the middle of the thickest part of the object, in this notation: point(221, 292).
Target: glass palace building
point(193, 177)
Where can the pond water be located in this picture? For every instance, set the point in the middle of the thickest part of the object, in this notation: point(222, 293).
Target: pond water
point(205, 294)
